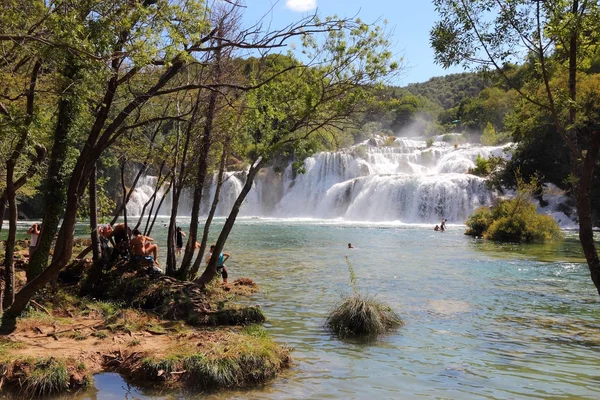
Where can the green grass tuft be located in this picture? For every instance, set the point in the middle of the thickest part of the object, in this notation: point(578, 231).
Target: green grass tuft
point(155, 369)
point(211, 373)
point(100, 334)
point(255, 330)
point(48, 376)
point(360, 315)
point(77, 335)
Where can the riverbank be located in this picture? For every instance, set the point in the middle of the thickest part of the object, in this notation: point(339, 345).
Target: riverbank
point(153, 330)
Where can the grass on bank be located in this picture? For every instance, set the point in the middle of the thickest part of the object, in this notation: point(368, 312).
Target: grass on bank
point(237, 360)
point(206, 358)
point(47, 376)
point(40, 377)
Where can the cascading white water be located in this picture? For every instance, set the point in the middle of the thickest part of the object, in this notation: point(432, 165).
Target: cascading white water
point(408, 182)
point(142, 193)
point(412, 181)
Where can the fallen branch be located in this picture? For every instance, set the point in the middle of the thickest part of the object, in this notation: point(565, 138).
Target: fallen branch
point(40, 307)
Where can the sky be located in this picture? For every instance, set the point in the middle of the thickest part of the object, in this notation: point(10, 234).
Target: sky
point(409, 21)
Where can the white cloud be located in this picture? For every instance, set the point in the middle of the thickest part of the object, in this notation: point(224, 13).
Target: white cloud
point(301, 5)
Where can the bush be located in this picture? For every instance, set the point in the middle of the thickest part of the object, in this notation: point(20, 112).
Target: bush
point(524, 225)
point(359, 315)
point(482, 167)
point(479, 221)
point(360, 152)
point(513, 220)
point(390, 141)
point(489, 138)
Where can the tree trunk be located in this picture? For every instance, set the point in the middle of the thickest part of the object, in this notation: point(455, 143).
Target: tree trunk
point(94, 216)
point(211, 269)
point(176, 184)
point(54, 185)
point(152, 198)
point(9, 265)
point(171, 255)
point(36, 160)
point(202, 164)
point(62, 252)
point(124, 208)
point(584, 209)
point(199, 184)
point(2, 208)
point(127, 197)
point(213, 208)
point(79, 178)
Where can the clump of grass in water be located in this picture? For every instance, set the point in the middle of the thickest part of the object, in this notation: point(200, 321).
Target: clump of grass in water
point(47, 377)
point(361, 315)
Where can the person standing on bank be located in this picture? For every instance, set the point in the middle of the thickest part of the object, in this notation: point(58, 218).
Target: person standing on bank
point(180, 236)
point(221, 268)
point(34, 231)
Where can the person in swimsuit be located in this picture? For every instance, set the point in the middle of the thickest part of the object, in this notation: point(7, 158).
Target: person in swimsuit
point(141, 248)
point(221, 268)
point(180, 236)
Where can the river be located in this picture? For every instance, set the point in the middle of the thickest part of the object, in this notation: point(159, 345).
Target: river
point(482, 320)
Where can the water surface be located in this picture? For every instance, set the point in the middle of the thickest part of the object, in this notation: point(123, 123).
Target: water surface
point(482, 320)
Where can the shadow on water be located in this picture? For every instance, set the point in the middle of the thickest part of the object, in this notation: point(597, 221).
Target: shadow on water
point(567, 250)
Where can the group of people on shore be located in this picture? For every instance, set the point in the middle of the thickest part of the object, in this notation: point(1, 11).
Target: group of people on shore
point(141, 246)
point(124, 241)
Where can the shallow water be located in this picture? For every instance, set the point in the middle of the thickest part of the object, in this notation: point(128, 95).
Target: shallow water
point(482, 320)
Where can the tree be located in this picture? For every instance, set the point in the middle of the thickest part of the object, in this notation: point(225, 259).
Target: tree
point(488, 138)
point(307, 100)
point(555, 36)
point(114, 60)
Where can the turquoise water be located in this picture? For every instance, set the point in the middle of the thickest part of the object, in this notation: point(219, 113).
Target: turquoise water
point(482, 320)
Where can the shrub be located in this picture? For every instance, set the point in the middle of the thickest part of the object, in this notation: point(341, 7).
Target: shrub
point(360, 315)
point(479, 221)
point(513, 220)
point(488, 138)
point(482, 167)
point(360, 152)
point(448, 138)
point(390, 141)
point(522, 224)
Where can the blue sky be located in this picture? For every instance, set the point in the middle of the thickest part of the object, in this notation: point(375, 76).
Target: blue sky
point(410, 21)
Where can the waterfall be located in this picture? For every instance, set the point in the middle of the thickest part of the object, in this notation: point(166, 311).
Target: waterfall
point(142, 193)
point(408, 182)
point(411, 181)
